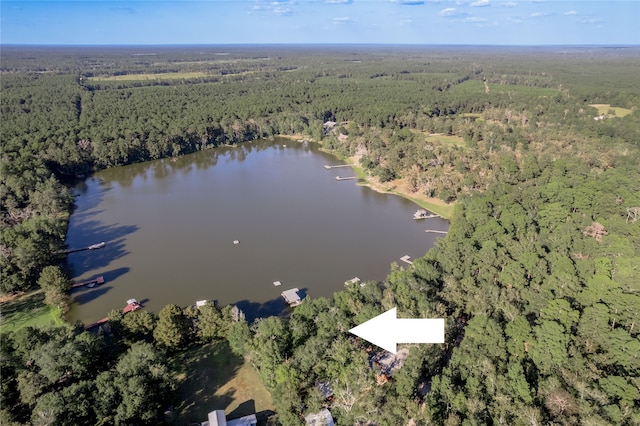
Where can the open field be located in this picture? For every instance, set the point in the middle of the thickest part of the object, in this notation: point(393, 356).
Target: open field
point(445, 139)
point(151, 76)
point(210, 377)
point(27, 310)
point(603, 109)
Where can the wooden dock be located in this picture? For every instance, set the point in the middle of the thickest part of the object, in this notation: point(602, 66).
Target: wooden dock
point(95, 324)
point(407, 259)
point(132, 305)
point(346, 178)
point(292, 297)
point(91, 247)
point(336, 166)
point(435, 231)
point(353, 281)
point(89, 283)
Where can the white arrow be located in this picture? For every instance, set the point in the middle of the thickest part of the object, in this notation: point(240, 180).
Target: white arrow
point(387, 330)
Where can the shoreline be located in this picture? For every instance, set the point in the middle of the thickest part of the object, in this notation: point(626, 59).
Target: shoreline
point(435, 205)
point(432, 204)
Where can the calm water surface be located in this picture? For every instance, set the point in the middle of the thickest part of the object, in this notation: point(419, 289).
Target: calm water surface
point(170, 225)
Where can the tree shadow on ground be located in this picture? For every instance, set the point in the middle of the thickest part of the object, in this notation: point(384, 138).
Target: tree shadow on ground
point(245, 409)
point(200, 372)
point(21, 308)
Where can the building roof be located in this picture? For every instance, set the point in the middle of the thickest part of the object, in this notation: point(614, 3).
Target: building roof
point(218, 418)
point(323, 418)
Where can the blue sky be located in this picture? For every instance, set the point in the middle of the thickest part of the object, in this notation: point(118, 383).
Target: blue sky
point(536, 22)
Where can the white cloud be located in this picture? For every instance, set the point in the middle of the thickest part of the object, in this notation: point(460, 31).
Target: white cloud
point(341, 20)
point(509, 4)
point(450, 11)
point(481, 3)
point(539, 15)
point(591, 21)
point(278, 8)
point(338, 1)
point(571, 12)
point(474, 19)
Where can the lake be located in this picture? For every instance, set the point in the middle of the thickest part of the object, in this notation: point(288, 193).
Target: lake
point(170, 227)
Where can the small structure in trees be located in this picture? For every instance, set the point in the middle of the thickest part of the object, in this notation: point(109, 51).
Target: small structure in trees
point(322, 418)
point(633, 213)
point(595, 230)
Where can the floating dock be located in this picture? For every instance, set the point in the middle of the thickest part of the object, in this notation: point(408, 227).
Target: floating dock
point(292, 297)
point(277, 283)
point(328, 167)
point(435, 231)
point(407, 259)
point(346, 178)
point(89, 283)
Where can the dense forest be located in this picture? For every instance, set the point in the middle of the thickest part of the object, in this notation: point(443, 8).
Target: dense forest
point(537, 278)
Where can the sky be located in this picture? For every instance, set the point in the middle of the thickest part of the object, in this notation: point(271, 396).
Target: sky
point(465, 22)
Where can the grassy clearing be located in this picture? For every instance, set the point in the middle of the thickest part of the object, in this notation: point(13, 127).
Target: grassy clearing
point(434, 205)
point(210, 377)
point(151, 76)
point(445, 139)
point(28, 310)
point(603, 109)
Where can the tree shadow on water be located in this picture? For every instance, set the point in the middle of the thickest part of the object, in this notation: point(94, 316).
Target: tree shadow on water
point(274, 307)
point(92, 294)
point(91, 233)
point(254, 310)
point(86, 294)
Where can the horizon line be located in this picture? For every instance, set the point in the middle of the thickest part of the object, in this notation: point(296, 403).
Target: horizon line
point(315, 44)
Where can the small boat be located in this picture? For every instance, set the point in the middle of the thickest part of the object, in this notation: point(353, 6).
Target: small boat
point(97, 246)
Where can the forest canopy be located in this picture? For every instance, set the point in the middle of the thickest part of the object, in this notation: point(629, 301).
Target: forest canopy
point(537, 278)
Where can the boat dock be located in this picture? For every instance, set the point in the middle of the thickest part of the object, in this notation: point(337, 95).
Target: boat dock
point(336, 166)
point(132, 305)
point(292, 297)
point(353, 281)
point(407, 259)
point(89, 283)
point(346, 178)
point(91, 247)
point(95, 324)
point(423, 214)
point(435, 231)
